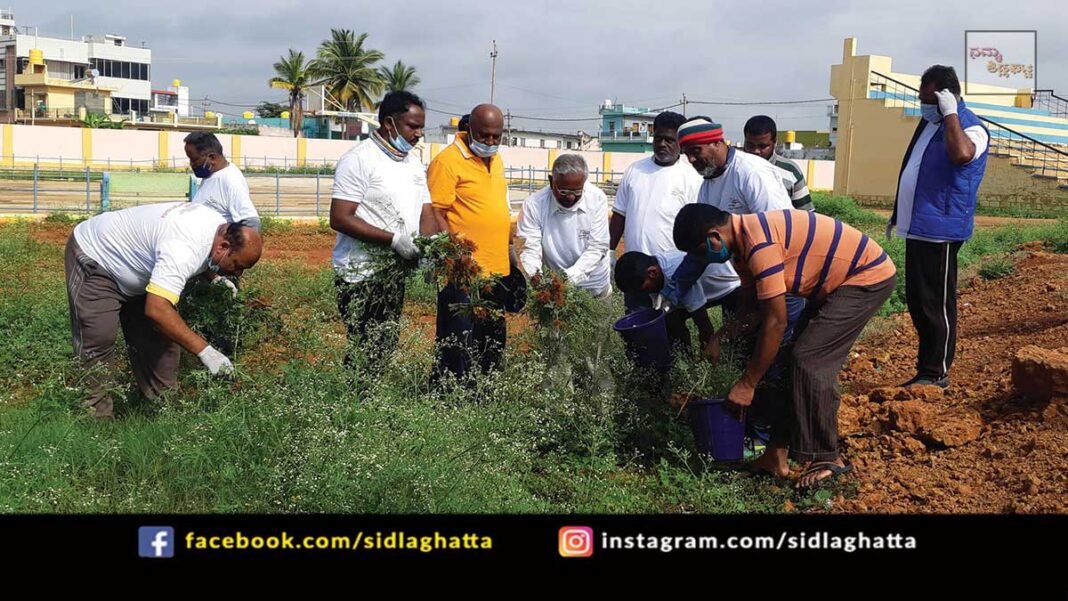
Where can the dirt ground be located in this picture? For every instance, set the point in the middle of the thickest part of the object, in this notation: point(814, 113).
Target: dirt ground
point(979, 447)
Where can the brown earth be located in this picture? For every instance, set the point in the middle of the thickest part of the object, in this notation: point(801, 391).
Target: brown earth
point(981, 446)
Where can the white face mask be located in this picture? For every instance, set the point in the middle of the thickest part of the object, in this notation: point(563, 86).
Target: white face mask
point(930, 113)
point(484, 151)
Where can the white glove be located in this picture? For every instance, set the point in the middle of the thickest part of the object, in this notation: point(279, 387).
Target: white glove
point(947, 103)
point(661, 303)
point(402, 243)
point(217, 363)
point(890, 227)
point(574, 276)
point(221, 281)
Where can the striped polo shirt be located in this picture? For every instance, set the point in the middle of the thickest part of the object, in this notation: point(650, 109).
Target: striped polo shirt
point(805, 254)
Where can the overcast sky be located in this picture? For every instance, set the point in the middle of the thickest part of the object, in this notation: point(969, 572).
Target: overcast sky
point(562, 59)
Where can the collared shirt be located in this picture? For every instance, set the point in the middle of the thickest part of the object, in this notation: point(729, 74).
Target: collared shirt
point(474, 197)
point(749, 184)
point(151, 248)
point(573, 240)
point(650, 196)
point(805, 254)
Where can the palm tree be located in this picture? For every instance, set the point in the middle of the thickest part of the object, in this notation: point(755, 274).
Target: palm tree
point(293, 73)
point(348, 69)
point(401, 78)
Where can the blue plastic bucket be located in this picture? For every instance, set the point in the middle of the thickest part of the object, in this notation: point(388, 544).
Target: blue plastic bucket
point(645, 334)
point(715, 431)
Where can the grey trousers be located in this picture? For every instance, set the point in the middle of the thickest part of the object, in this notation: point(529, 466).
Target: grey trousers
point(97, 309)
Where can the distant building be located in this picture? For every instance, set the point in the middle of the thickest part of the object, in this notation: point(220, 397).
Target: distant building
point(526, 138)
point(173, 100)
point(69, 74)
point(626, 128)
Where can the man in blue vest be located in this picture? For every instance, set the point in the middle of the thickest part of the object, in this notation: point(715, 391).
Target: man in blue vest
point(934, 210)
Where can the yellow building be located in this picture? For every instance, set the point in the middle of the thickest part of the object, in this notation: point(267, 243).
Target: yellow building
point(878, 111)
point(53, 99)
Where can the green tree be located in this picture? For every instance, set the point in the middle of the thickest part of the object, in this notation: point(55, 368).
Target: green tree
point(293, 73)
point(270, 110)
point(348, 69)
point(399, 78)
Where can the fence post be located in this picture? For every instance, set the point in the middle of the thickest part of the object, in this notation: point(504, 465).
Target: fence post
point(317, 180)
point(277, 193)
point(36, 167)
point(105, 192)
point(88, 191)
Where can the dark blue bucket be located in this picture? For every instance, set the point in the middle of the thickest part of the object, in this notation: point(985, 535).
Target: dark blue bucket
point(715, 431)
point(645, 334)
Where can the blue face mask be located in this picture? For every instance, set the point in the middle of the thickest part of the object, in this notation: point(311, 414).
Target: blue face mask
point(204, 171)
point(483, 150)
point(399, 143)
point(721, 256)
point(930, 113)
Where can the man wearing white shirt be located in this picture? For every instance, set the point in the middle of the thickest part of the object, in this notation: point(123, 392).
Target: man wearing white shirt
point(380, 199)
point(934, 211)
point(222, 185)
point(565, 227)
point(735, 182)
point(651, 193)
point(130, 267)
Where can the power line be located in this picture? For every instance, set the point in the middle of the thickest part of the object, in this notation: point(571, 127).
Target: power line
point(776, 102)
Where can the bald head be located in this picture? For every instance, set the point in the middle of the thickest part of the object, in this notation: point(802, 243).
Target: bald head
point(487, 124)
point(237, 247)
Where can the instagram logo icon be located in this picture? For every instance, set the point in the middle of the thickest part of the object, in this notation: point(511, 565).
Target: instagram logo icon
point(576, 541)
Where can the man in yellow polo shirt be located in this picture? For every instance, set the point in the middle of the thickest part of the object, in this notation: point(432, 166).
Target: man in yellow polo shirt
point(470, 198)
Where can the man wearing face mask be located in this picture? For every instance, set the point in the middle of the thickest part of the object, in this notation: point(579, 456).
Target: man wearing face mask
point(934, 211)
point(222, 185)
point(565, 226)
point(470, 198)
point(846, 277)
point(380, 198)
point(129, 267)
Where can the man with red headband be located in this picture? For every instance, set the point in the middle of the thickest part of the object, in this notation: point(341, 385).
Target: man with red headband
point(735, 182)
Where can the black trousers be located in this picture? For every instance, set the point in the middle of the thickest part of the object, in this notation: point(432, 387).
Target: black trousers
point(464, 343)
point(931, 294)
point(371, 313)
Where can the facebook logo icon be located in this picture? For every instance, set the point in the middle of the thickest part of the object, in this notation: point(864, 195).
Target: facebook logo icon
point(155, 541)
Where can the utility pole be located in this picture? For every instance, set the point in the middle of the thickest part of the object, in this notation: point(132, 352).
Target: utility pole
point(508, 127)
point(493, 72)
point(684, 104)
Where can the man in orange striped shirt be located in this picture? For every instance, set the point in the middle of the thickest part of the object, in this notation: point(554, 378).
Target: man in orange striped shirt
point(845, 276)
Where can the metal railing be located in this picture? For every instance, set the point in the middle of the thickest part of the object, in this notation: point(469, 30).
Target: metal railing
point(39, 189)
point(626, 136)
point(36, 190)
point(1048, 101)
point(1045, 159)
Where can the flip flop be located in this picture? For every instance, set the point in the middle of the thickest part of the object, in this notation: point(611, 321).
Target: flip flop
point(830, 466)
